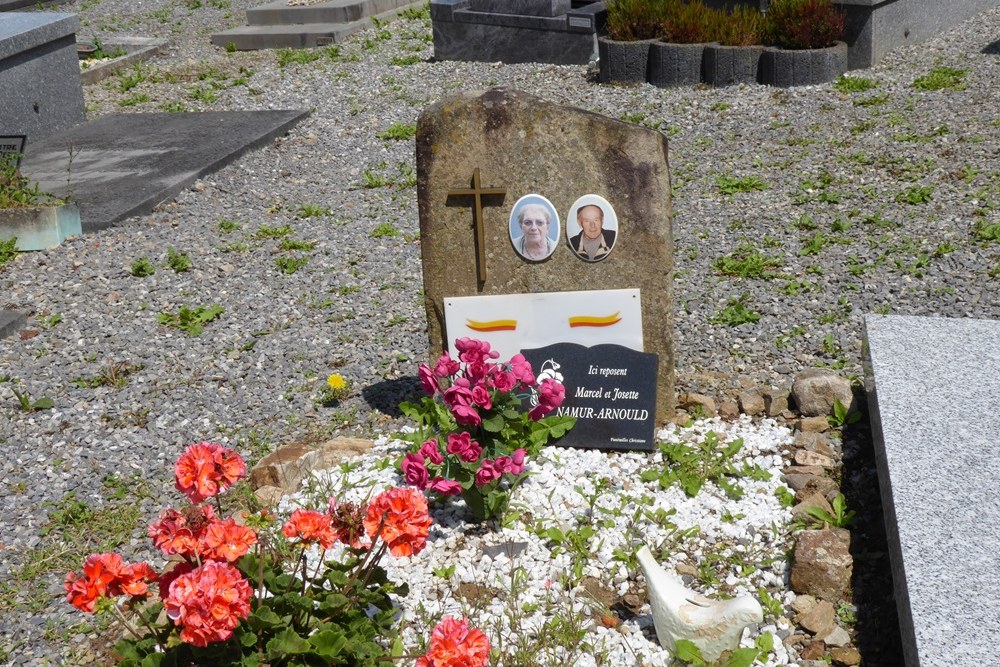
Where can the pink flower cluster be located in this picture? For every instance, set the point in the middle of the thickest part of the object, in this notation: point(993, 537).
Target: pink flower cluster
point(417, 465)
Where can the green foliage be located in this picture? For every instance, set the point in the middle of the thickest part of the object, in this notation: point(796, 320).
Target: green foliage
point(297, 56)
point(384, 230)
point(842, 416)
point(742, 26)
point(371, 179)
point(771, 605)
point(178, 261)
point(630, 20)
point(803, 24)
point(747, 262)
point(404, 61)
point(8, 251)
point(853, 84)
point(28, 405)
point(815, 243)
point(191, 320)
point(115, 374)
point(268, 232)
point(730, 185)
point(289, 265)
point(132, 77)
point(687, 652)
point(133, 100)
point(294, 244)
point(988, 232)
point(421, 13)
point(398, 132)
point(941, 78)
point(785, 496)
point(841, 517)
point(203, 94)
point(16, 191)
point(312, 211)
point(707, 461)
point(226, 226)
point(735, 313)
point(915, 194)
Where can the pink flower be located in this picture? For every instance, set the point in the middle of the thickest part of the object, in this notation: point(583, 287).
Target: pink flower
point(481, 397)
point(446, 366)
point(521, 369)
point(208, 603)
point(414, 470)
point(466, 415)
point(502, 464)
point(454, 644)
point(503, 381)
point(487, 473)
point(471, 350)
point(430, 451)
point(445, 487)
point(550, 397)
point(206, 469)
point(462, 445)
point(516, 462)
point(427, 379)
point(457, 395)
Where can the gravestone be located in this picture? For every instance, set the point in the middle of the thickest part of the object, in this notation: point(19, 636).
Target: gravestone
point(40, 89)
point(514, 144)
point(563, 32)
point(934, 397)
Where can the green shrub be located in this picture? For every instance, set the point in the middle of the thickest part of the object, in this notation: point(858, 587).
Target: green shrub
point(803, 24)
point(744, 26)
point(690, 22)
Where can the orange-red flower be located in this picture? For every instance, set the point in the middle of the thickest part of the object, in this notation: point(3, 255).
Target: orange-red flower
point(106, 575)
point(400, 518)
point(455, 644)
point(310, 526)
point(208, 603)
point(181, 532)
point(207, 469)
point(226, 540)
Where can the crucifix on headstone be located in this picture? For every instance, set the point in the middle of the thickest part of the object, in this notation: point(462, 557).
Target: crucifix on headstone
point(479, 192)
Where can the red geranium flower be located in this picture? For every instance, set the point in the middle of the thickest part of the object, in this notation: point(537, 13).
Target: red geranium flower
point(181, 532)
point(208, 603)
point(207, 469)
point(310, 526)
point(227, 540)
point(400, 518)
point(106, 575)
point(455, 644)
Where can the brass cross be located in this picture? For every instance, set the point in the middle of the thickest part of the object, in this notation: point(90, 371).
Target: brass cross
point(479, 192)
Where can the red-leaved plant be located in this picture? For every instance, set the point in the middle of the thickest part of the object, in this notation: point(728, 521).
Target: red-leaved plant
point(474, 440)
point(803, 24)
point(241, 593)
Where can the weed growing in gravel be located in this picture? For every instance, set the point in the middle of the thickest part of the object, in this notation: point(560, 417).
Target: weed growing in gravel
point(372, 179)
point(203, 94)
point(398, 132)
point(873, 100)
point(985, 232)
point(8, 251)
point(24, 399)
point(405, 61)
point(174, 106)
point(941, 78)
point(853, 84)
point(293, 244)
point(178, 261)
point(132, 77)
point(312, 211)
point(707, 461)
point(297, 56)
point(268, 232)
point(814, 245)
point(191, 320)
point(134, 100)
point(915, 194)
point(384, 230)
point(735, 313)
point(227, 225)
point(841, 516)
point(729, 185)
point(413, 13)
point(289, 265)
point(115, 374)
point(747, 262)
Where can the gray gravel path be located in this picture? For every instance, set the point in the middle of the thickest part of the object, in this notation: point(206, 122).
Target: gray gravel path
point(837, 169)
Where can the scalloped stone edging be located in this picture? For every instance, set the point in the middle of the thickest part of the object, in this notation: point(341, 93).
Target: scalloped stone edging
point(667, 64)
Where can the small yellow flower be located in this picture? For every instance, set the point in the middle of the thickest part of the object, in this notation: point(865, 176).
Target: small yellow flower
point(336, 382)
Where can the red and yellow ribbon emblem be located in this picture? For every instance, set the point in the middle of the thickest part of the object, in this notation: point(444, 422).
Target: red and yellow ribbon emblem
point(591, 321)
point(492, 325)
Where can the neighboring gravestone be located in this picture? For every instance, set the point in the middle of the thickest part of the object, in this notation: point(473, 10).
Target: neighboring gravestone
point(40, 89)
point(514, 144)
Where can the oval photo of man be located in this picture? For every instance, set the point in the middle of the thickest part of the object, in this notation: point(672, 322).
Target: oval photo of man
point(534, 227)
point(592, 228)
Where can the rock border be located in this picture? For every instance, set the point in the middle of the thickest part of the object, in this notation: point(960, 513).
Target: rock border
point(623, 62)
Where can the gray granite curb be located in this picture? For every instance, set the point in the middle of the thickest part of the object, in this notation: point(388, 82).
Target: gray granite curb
point(673, 64)
point(730, 65)
point(138, 49)
point(806, 67)
point(623, 62)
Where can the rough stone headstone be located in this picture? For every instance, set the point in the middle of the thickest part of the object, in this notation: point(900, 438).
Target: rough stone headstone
point(40, 89)
point(525, 145)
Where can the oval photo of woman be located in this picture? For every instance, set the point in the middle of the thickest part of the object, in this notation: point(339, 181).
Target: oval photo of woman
point(534, 227)
point(592, 228)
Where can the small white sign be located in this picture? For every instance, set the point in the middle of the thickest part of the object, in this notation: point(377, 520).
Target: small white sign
point(514, 322)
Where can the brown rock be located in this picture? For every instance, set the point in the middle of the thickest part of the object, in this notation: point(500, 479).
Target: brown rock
point(813, 424)
point(800, 511)
point(775, 401)
point(520, 143)
point(845, 657)
point(284, 468)
point(823, 565)
point(803, 603)
point(819, 620)
point(824, 486)
point(837, 637)
point(332, 452)
point(805, 458)
point(798, 481)
point(795, 640)
point(814, 442)
point(815, 471)
point(695, 403)
point(269, 496)
point(815, 390)
point(751, 402)
point(683, 569)
point(729, 410)
point(813, 650)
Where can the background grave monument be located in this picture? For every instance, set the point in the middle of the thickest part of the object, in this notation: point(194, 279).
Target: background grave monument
point(520, 145)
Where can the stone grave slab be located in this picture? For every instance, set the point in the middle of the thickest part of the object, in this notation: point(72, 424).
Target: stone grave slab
point(517, 31)
point(124, 165)
point(934, 397)
point(137, 49)
point(40, 89)
point(11, 5)
point(510, 141)
point(11, 321)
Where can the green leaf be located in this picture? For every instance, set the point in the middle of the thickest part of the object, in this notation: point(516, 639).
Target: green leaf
point(687, 651)
point(287, 643)
point(329, 643)
point(264, 618)
point(742, 657)
point(822, 515)
point(494, 423)
point(44, 403)
point(765, 643)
